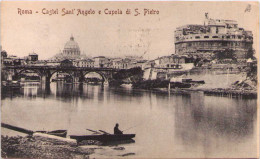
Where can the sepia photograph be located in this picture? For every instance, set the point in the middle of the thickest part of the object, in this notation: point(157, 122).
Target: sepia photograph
point(129, 79)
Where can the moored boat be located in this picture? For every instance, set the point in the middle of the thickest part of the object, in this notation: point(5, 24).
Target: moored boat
point(103, 137)
point(60, 133)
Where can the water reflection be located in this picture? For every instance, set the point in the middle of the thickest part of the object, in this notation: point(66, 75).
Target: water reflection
point(215, 123)
point(190, 125)
point(117, 143)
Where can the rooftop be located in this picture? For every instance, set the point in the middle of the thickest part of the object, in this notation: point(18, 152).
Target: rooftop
point(33, 53)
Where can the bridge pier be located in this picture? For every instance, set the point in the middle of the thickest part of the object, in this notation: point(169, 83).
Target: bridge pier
point(9, 77)
point(76, 79)
point(105, 82)
point(45, 81)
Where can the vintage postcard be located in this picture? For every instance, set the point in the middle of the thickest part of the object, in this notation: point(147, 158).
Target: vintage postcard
point(172, 79)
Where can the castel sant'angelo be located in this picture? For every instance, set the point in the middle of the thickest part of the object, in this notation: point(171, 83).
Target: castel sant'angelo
point(213, 36)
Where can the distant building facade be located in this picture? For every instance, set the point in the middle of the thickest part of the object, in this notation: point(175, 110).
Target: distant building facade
point(117, 63)
point(3, 56)
point(172, 60)
point(33, 57)
point(127, 62)
point(101, 61)
point(66, 63)
point(83, 63)
point(215, 35)
point(11, 60)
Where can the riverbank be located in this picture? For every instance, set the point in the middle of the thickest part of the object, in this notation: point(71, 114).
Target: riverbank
point(212, 83)
point(38, 147)
point(229, 92)
point(223, 92)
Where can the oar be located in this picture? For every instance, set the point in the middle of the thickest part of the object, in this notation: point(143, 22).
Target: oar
point(103, 131)
point(93, 131)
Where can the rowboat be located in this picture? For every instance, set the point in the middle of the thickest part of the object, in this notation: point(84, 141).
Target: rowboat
point(103, 137)
point(60, 133)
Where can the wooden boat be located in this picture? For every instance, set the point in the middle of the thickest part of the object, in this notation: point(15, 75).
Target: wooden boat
point(103, 137)
point(60, 133)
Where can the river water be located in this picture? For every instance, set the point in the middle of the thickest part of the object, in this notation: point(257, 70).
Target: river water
point(166, 125)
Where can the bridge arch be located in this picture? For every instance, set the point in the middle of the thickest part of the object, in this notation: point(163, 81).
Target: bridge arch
point(59, 71)
point(20, 72)
point(103, 76)
point(23, 70)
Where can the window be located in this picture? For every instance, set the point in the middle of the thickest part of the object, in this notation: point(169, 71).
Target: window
point(214, 36)
point(206, 36)
point(197, 37)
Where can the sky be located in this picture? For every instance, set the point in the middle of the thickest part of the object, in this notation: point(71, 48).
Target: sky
point(150, 35)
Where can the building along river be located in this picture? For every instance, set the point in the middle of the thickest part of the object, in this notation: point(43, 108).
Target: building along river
point(167, 125)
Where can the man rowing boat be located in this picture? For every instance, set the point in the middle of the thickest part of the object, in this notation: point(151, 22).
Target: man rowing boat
point(116, 129)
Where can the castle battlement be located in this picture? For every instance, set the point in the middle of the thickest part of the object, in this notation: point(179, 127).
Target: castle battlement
point(214, 35)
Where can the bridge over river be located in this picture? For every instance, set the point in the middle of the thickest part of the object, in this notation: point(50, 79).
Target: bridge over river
point(76, 73)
